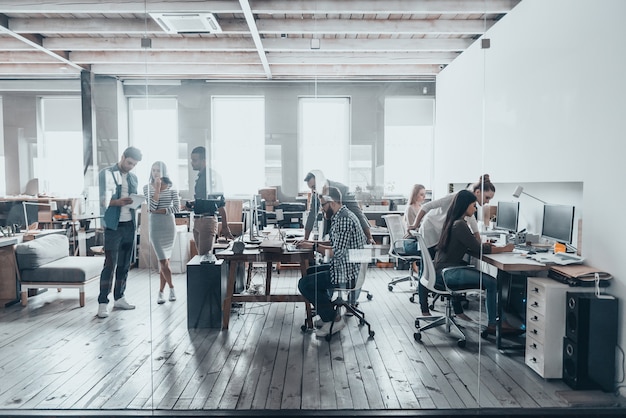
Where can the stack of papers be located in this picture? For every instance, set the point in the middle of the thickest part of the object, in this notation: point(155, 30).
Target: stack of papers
point(561, 259)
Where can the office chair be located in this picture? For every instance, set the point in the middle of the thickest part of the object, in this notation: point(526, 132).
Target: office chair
point(397, 231)
point(428, 279)
point(343, 296)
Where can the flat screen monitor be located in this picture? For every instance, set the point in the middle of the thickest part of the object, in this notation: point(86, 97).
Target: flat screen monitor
point(507, 216)
point(558, 223)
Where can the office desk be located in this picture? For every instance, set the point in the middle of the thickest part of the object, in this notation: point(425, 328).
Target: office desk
point(507, 263)
point(256, 256)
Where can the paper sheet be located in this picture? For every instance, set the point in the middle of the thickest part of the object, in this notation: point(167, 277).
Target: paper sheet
point(138, 199)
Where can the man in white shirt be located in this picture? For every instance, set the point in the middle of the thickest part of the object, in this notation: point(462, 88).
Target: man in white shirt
point(117, 184)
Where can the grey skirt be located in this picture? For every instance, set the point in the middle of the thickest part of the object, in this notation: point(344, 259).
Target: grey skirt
point(162, 234)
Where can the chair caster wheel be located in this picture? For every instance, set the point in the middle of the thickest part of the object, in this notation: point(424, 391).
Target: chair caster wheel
point(417, 323)
point(431, 306)
point(461, 343)
point(361, 321)
point(304, 328)
point(417, 336)
point(328, 337)
point(412, 299)
point(484, 334)
point(390, 288)
point(369, 296)
point(372, 334)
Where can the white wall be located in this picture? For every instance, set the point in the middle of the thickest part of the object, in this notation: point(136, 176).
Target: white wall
point(554, 96)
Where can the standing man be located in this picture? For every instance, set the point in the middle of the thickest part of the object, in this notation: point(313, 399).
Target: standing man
point(205, 225)
point(318, 184)
point(345, 236)
point(117, 183)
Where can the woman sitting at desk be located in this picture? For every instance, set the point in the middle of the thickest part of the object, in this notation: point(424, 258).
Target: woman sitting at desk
point(457, 240)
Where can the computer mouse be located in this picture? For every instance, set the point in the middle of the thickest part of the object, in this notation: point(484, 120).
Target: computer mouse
point(531, 252)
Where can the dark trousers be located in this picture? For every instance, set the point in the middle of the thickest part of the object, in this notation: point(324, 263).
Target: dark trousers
point(118, 249)
point(316, 287)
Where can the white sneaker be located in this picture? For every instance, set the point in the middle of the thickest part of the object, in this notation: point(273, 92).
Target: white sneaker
point(102, 310)
point(161, 298)
point(122, 304)
point(325, 330)
point(172, 295)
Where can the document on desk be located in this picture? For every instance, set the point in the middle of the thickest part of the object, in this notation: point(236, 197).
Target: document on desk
point(562, 259)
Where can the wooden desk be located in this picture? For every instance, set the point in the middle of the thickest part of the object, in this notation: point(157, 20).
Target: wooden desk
point(256, 256)
point(507, 263)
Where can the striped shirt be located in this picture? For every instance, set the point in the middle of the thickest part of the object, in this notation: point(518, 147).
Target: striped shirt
point(168, 199)
point(345, 234)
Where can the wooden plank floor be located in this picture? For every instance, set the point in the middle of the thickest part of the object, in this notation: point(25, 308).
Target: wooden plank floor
point(58, 356)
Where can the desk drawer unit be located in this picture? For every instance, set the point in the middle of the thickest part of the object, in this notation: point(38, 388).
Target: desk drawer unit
point(545, 326)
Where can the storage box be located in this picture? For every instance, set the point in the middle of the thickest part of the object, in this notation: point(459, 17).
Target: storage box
point(268, 194)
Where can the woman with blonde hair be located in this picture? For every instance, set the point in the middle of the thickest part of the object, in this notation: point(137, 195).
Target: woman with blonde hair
point(164, 202)
point(418, 194)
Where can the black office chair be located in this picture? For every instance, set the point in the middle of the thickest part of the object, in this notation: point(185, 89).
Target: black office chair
point(429, 280)
point(397, 231)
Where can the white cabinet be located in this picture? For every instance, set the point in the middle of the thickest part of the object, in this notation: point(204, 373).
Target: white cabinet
point(545, 325)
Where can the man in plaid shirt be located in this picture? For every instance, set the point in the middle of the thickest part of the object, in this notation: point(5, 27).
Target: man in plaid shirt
point(345, 234)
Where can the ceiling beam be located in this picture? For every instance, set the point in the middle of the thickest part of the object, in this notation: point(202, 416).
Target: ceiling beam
point(110, 26)
point(263, 6)
point(273, 44)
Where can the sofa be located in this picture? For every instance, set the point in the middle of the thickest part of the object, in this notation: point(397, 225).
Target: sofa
point(45, 263)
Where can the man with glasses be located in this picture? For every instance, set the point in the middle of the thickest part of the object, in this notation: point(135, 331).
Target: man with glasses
point(345, 235)
point(318, 184)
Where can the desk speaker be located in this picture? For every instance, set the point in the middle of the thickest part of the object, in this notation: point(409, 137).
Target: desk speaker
point(590, 341)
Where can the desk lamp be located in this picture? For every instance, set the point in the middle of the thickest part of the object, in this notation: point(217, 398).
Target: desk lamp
point(519, 190)
point(53, 207)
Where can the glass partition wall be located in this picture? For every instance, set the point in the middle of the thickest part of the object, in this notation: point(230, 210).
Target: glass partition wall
point(377, 137)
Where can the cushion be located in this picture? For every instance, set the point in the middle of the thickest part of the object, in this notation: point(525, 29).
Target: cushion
point(34, 254)
point(66, 270)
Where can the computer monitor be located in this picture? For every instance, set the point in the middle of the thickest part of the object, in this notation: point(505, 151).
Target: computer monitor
point(507, 216)
point(558, 223)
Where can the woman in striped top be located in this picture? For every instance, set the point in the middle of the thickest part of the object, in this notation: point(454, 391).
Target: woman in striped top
point(164, 203)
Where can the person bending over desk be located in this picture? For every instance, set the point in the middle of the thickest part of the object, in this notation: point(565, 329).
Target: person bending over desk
point(345, 235)
point(430, 223)
point(457, 240)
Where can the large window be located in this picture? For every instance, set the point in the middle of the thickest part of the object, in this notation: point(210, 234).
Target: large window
point(237, 151)
point(59, 161)
point(408, 144)
point(154, 130)
point(324, 136)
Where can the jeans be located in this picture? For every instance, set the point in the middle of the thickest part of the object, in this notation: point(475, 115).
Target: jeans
point(462, 279)
point(118, 249)
point(317, 289)
point(422, 292)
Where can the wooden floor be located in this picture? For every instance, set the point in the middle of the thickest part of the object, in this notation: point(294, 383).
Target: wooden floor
point(58, 356)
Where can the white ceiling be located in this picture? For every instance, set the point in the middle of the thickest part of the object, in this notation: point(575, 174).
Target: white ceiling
point(260, 39)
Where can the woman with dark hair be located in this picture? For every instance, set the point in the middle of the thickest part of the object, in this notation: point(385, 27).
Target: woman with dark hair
point(430, 221)
point(457, 240)
point(164, 202)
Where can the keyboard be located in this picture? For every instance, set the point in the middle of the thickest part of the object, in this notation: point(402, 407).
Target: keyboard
point(524, 247)
point(570, 258)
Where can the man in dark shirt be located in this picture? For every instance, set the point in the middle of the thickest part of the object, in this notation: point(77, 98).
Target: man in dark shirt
point(205, 225)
